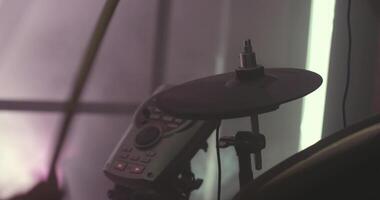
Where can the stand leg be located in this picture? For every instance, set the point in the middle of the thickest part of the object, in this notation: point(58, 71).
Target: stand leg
point(245, 167)
point(246, 143)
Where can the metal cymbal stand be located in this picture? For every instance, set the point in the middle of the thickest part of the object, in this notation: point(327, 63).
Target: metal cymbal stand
point(246, 143)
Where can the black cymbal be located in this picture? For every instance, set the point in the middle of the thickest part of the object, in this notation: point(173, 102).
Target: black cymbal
point(224, 96)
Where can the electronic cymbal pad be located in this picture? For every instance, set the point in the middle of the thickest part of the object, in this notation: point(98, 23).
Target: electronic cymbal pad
point(249, 91)
point(232, 95)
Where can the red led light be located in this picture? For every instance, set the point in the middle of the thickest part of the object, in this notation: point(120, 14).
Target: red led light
point(136, 169)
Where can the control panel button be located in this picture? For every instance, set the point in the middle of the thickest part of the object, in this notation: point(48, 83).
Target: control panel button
point(127, 149)
point(155, 116)
point(168, 118)
point(120, 165)
point(150, 153)
point(147, 137)
point(156, 110)
point(178, 121)
point(124, 155)
point(145, 160)
point(151, 108)
point(172, 125)
point(134, 157)
point(136, 169)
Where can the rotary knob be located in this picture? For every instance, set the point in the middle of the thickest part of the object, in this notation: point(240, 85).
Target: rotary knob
point(147, 137)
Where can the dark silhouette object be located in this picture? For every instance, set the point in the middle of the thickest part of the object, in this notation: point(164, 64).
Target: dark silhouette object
point(345, 165)
point(251, 89)
point(45, 190)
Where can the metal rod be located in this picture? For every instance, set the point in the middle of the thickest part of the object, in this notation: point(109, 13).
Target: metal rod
point(255, 123)
point(160, 43)
point(255, 130)
point(85, 69)
point(55, 106)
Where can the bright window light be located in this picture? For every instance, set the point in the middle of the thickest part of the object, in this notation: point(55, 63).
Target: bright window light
point(318, 58)
point(19, 169)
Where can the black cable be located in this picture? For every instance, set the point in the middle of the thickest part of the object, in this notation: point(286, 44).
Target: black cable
point(348, 74)
point(219, 162)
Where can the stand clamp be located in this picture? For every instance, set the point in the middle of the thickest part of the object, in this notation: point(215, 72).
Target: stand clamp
point(245, 143)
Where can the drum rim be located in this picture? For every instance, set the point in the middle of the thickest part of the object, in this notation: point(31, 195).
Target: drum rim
point(306, 153)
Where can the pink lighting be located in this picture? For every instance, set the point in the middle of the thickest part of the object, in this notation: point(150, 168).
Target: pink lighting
point(25, 141)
